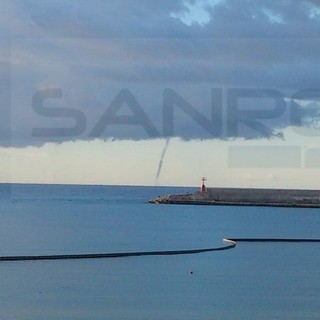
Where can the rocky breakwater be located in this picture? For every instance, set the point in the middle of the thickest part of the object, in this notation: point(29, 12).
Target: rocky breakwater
point(190, 198)
point(245, 196)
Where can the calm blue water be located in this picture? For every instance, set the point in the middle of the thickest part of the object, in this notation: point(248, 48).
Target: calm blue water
point(252, 281)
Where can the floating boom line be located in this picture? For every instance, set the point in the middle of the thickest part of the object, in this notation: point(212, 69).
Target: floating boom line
point(232, 242)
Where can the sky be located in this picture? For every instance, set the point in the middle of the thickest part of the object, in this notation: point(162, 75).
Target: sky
point(160, 92)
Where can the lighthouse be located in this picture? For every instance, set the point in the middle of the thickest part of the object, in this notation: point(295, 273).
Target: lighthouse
point(203, 187)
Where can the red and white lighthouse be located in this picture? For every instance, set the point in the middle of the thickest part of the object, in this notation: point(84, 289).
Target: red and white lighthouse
point(203, 187)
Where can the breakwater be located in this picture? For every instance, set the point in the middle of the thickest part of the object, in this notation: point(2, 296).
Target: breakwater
point(245, 197)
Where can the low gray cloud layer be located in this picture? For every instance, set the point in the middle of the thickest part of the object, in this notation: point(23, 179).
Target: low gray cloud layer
point(144, 69)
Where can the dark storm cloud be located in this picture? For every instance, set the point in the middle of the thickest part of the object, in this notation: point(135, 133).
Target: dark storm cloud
point(245, 18)
point(105, 54)
point(120, 18)
point(5, 102)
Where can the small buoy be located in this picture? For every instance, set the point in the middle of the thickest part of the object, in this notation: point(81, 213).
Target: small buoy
point(191, 271)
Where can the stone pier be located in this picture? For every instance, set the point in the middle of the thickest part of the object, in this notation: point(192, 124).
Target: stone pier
point(245, 196)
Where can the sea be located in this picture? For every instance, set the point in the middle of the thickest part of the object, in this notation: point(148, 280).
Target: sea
point(252, 281)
